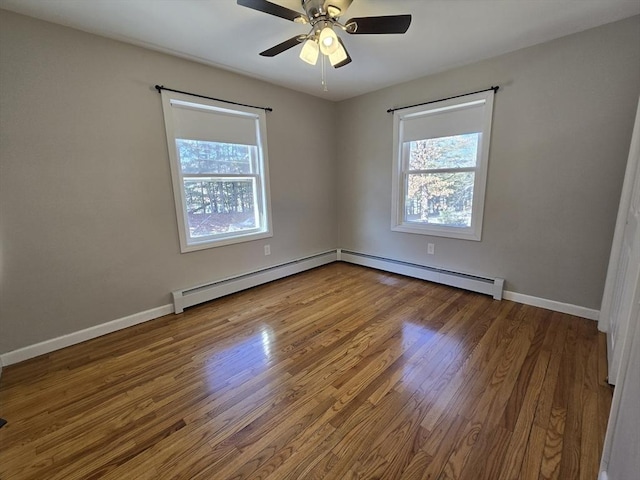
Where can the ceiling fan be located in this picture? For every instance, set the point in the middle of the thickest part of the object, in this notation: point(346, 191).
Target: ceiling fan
point(323, 16)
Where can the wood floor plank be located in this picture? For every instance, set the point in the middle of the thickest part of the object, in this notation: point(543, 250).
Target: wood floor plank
point(435, 448)
point(548, 392)
point(456, 461)
point(530, 469)
point(483, 466)
point(485, 414)
point(552, 451)
point(571, 449)
point(521, 432)
point(476, 368)
point(341, 372)
point(589, 446)
point(521, 388)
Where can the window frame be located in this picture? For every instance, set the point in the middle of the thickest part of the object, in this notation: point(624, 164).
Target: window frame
point(401, 171)
point(258, 159)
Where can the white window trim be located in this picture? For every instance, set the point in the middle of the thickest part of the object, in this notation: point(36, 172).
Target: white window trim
point(474, 232)
point(262, 184)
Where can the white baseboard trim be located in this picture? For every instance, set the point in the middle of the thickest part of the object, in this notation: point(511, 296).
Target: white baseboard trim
point(48, 346)
point(568, 308)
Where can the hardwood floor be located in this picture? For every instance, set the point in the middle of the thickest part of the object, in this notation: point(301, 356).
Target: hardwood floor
point(341, 372)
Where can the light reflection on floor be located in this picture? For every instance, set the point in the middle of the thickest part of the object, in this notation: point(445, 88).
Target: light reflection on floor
point(248, 358)
point(413, 331)
point(388, 280)
point(414, 370)
point(267, 340)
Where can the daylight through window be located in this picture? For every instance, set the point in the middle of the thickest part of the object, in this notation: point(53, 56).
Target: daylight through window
point(440, 167)
point(219, 171)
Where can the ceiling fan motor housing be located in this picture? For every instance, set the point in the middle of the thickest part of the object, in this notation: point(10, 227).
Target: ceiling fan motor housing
point(316, 10)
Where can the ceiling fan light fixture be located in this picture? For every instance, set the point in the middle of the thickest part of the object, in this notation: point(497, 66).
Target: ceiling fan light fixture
point(333, 12)
point(339, 56)
point(328, 40)
point(310, 52)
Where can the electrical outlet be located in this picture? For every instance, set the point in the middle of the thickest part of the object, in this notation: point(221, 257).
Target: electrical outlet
point(431, 248)
point(267, 249)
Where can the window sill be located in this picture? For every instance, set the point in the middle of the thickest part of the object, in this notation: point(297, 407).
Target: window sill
point(436, 231)
point(224, 241)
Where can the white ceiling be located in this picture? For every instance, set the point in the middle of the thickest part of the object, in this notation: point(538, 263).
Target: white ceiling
point(443, 34)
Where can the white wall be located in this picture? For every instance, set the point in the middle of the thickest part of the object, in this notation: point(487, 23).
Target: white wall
point(562, 124)
point(88, 230)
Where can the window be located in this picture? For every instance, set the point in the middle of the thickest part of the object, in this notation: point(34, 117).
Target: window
point(218, 159)
point(441, 153)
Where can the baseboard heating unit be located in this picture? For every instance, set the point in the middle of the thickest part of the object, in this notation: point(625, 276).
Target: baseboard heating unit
point(203, 293)
point(487, 286)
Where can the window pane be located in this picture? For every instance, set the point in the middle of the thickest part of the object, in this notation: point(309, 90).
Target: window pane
point(216, 206)
point(197, 156)
point(439, 198)
point(459, 151)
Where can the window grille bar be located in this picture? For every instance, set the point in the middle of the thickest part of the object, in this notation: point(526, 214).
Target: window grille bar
point(159, 88)
point(441, 170)
point(220, 176)
point(495, 89)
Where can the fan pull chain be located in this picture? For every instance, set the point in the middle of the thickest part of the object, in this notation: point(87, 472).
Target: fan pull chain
point(324, 74)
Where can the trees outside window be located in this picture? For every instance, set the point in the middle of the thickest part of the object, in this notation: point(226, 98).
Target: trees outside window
point(440, 167)
point(219, 171)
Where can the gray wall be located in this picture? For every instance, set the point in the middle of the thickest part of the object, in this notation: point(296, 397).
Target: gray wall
point(87, 223)
point(88, 227)
point(562, 126)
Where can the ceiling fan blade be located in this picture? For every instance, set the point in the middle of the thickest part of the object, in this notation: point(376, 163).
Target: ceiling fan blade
point(281, 47)
point(273, 9)
point(374, 25)
point(347, 60)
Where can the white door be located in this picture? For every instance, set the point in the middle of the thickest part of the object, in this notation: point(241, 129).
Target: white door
point(625, 286)
point(621, 452)
point(624, 263)
point(620, 318)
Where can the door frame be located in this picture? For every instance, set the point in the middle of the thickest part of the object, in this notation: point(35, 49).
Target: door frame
point(614, 352)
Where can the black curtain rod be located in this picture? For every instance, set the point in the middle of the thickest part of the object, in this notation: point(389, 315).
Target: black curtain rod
point(162, 87)
point(495, 89)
